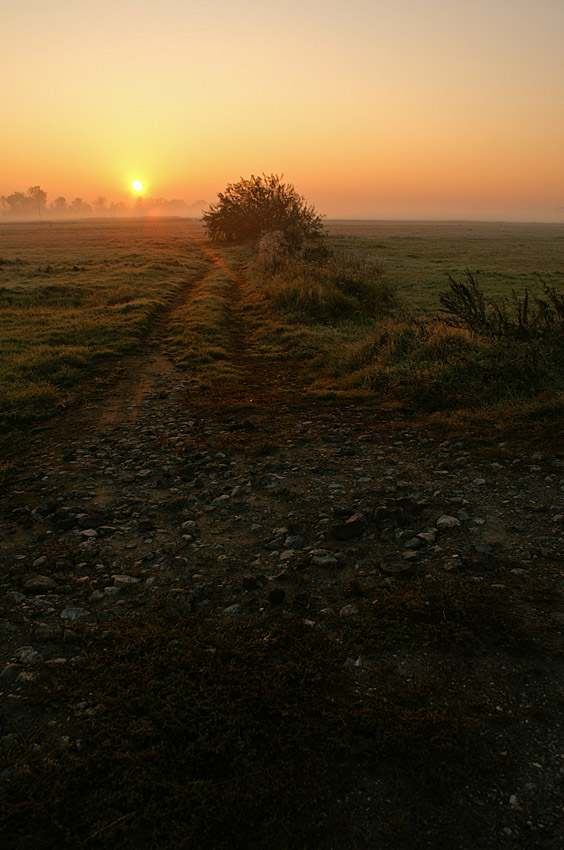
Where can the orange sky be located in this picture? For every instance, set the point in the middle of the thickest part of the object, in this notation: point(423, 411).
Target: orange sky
point(403, 109)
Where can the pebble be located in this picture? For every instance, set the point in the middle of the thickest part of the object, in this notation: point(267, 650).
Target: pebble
point(125, 580)
point(39, 584)
point(445, 522)
point(337, 512)
point(349, 611)
point(72, 615)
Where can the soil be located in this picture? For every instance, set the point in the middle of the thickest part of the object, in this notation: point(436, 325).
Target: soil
point(252, 500)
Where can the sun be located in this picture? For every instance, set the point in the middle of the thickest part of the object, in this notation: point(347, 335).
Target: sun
point(137, 185)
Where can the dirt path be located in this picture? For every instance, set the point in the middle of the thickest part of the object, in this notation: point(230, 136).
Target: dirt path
point(247, 501)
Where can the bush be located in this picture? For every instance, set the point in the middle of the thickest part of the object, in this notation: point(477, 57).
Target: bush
point(533, 318)
point(251, 208)
point(326, 288)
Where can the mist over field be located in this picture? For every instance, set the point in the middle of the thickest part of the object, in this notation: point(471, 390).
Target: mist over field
point(35, 205)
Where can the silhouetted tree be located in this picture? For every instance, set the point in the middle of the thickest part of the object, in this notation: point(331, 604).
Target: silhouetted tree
point(39, 197)
point(80, 207)
point(19, 203)
point(250, 208)
point(59, 205)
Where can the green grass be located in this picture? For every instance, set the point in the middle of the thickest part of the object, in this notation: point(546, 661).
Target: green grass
point(382, 340)
point(338, 288)
point(417, 257)
point(200, 333)
point(360, 318)
point(74, 299)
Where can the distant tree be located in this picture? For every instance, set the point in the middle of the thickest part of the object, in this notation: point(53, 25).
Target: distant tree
point(80, 207)
point(39, 197)
point(100, 204)
point(249, 209)
point(59, 205)
point(18, 203)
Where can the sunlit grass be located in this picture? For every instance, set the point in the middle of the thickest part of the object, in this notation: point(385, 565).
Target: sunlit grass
point(358, 316)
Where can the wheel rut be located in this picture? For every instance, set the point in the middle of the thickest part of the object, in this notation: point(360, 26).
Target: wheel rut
point(142, 374)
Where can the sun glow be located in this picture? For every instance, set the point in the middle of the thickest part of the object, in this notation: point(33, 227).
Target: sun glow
point(137, 185)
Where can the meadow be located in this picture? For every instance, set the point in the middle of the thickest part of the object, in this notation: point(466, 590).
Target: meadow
point(417, 257)
point(214, 732)
point(75, 298)
point(360, 315)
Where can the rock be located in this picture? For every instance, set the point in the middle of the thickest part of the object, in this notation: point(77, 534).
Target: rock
point(396, 567)
point(445, 522)
point(94, 519)
point(293, 541)
point(27, 655)
point(39, 584)
point(39, 561)
point(349, 612)
point(355, 526)
point(25, 676)
point(387, 517)
point(414, 543)
point(43, 634)
point(96, 596)
point(323, 558)
point(145, 525)
point(73, 615)
point(429, 535)
point(10, 672)
point(271, 481)
point(70, 637)
point(125, 581)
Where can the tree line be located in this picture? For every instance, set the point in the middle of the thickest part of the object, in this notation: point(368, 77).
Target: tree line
point(32, 204)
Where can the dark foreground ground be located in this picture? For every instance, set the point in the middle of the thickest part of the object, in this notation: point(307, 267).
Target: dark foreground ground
point(235, 618)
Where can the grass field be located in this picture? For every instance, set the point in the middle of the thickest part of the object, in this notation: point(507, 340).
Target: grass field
point(417, 257)
point(362, 321)
point(233, 733)
point(74, 298)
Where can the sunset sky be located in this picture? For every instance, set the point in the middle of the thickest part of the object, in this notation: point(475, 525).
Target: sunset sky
point(404, 109)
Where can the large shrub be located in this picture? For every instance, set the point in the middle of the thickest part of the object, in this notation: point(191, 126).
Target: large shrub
point(253, 207)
